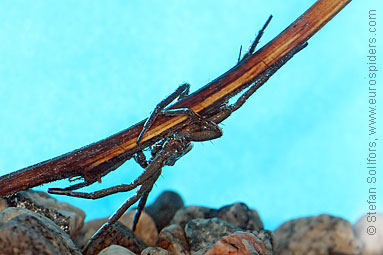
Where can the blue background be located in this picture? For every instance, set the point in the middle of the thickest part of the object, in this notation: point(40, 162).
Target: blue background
point(75, 72)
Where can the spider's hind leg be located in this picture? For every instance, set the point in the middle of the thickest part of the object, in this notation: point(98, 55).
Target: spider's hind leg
point(255, 42)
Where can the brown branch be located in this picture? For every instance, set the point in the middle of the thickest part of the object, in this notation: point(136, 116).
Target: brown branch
point(241, 75)
point(106, 155)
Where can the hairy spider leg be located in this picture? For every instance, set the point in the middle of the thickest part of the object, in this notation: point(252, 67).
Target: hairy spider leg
point(224, 113)
point(140, 207)
point(255, 42)
point(174, 148)
point(89, 181)
point(181, 92)
point(147, 174)
point(120, 211)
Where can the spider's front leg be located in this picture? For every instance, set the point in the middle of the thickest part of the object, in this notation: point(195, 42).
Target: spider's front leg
point(181, 92)
point(199, 129)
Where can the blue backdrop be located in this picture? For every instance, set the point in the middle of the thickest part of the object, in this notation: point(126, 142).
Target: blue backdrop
point(74, 72)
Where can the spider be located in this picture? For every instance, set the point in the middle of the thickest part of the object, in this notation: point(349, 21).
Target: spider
point(171, 148)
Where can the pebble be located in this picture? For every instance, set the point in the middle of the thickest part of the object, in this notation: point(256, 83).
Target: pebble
point(239, 243)
point(268, 238)
point(116, 250)
point(155, 251)
point(3, 204)
point(373, 242)
point(172, 238)
point(25, 232)
point(118, 234)
point(163, 209)
point(36, 227)
point(240, 215)
point(323, 234)
point(12, 212)
point(68, 217)
point(87, 231)
point(186, 214)
point(237, 214)
point(201, 233)
point(146, 229)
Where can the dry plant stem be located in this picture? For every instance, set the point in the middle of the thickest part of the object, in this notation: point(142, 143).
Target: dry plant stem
point(98, 159)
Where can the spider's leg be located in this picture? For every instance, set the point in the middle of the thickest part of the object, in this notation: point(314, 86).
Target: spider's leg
point(96, 194)
point(140, 208)
point(146, 175)
point(225, 112)
point(75, 186)
point(146, 187)
point(113, 219)
point(181, 92)
point(255, 42)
